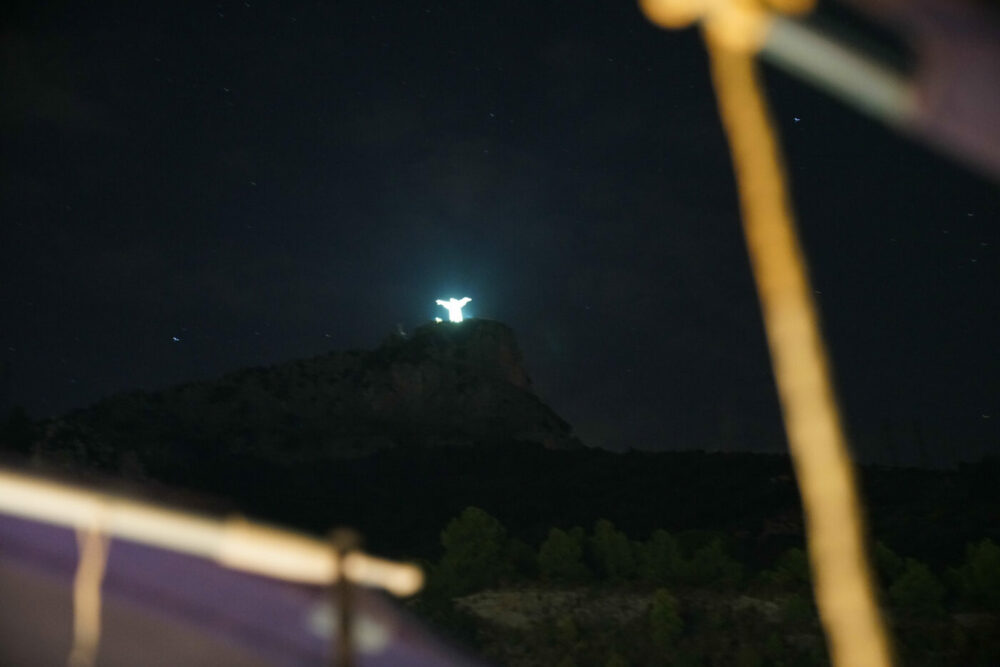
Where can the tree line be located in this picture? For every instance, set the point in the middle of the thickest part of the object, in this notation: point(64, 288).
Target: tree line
point(693, 587)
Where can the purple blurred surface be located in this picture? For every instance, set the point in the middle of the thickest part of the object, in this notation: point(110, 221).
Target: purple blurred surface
point(165, 608)
point(957, 80)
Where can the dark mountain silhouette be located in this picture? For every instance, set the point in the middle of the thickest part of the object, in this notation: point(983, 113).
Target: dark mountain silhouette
point(399, 439)
point(446, 384)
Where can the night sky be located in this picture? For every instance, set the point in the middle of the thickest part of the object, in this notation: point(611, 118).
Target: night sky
point(189, 188)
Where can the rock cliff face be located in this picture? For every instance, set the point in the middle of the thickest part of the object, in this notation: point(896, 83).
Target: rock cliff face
point(445, 384)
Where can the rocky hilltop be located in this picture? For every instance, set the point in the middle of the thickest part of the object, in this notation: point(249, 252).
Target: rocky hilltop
point(444, 384)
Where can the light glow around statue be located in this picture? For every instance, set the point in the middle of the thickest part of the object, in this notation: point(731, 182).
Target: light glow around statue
point(454, 307)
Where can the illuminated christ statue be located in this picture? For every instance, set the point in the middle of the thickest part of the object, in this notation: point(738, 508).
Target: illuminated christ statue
point(454, 307)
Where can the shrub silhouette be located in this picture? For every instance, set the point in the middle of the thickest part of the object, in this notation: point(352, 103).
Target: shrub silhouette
point(474, 553)
point(791, 572)
point(522, 561)
point(916, 591)
point(665, 622)
point(798, 611)
point(888, 564)
point(560, 558)
point(615, 659)
point(710, 565)
point(612, 552)
point(659, 558)
point(978, 578)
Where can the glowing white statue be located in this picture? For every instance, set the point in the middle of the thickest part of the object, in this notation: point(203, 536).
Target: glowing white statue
point(454, 307)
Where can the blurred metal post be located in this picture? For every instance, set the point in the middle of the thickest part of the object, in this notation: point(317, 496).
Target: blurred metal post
point(840, 70)
point(232, 542)
point(344, 542)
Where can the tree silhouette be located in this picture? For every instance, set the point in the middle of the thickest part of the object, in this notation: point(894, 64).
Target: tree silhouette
point(612, 552)
point(978, 578)
point(474, 552)
point(659, 558)
point(917, 592)
point(560, 558)
point(710, 565)
point(665, 622)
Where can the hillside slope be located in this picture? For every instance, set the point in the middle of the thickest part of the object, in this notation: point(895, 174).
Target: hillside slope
point(445, 384)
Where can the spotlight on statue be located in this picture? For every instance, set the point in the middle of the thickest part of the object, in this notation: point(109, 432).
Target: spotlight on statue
point(454, 307)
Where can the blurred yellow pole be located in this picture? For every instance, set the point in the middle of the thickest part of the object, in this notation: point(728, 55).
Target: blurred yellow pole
point(842, 582)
